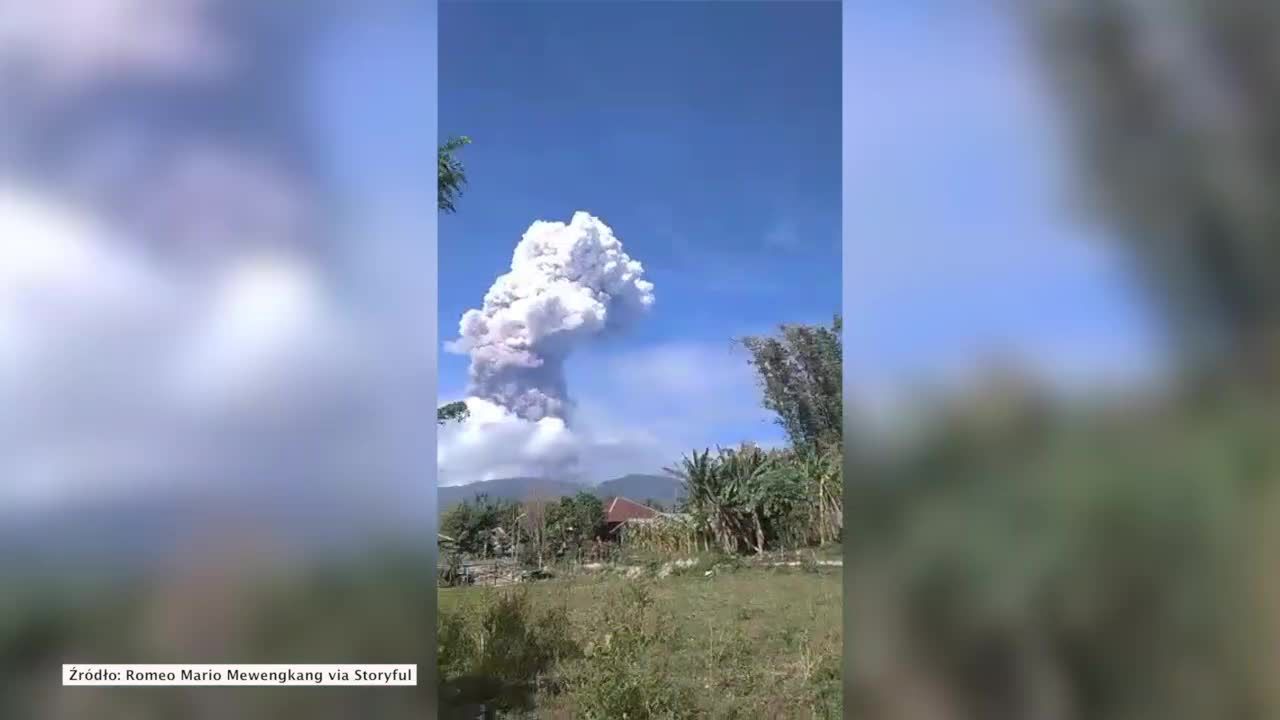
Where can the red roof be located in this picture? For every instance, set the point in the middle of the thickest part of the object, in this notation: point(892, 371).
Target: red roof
point(621, 509)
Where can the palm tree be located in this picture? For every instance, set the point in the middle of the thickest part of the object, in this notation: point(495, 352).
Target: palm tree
point(739, 496)
point(750, 485)
point(451, 176)
point(705, 497)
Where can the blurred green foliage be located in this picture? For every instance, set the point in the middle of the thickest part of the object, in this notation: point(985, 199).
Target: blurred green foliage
point(1109, 563)
point(371, 608)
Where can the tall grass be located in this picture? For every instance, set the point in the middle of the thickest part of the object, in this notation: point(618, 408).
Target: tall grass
point(747, 643)
point(500, 656)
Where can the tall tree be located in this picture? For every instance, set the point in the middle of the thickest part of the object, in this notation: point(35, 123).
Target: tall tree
point(534, 526)
point(800, 374)
point(1175, 110)
point(451, 173)
point(450, 178)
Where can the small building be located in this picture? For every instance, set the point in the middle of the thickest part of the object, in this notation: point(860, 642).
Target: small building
point(620, 510)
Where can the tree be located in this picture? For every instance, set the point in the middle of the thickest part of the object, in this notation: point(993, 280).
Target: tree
point(747, 490)
point(742, 497)
point(708, 497)
point(451, 176)
point(574, 522)
point(1179, 151)
point(451, 173)
point(817, 516)
point(452, 412)
point(753, 499)
point(535, 527)
point(480, 524)
point(800, 374)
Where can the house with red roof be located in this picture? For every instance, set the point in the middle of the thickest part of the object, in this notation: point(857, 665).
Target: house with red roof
point(619, 511)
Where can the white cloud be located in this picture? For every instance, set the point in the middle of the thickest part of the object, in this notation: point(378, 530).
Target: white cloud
point(495, 443)
point(637, 411)
point(569, 284)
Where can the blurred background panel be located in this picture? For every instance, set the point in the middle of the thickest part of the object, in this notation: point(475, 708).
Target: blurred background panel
point(1061, 290)
point(217, 331)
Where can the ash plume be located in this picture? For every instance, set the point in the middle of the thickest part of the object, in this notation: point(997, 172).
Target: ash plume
point(567, 285)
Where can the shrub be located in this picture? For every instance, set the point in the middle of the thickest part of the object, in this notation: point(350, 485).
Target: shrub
point(622, 677)
point(500, 654)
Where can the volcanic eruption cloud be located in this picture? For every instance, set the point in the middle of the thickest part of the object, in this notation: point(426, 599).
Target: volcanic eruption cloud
point(568, 284)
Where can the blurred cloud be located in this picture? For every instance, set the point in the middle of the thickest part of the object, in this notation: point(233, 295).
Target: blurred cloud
point(177, 333)
point(63, 46)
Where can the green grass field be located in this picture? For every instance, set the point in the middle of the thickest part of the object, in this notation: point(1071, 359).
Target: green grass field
point(748, 643)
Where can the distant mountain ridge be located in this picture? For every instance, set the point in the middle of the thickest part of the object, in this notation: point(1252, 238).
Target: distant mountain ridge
point(638, 487)
point(664, 489)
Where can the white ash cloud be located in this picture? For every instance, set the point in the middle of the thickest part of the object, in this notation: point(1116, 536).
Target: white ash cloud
point(494, 443)
point(568, 284)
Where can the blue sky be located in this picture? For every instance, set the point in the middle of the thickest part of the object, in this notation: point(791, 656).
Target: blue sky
point(707, 135)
